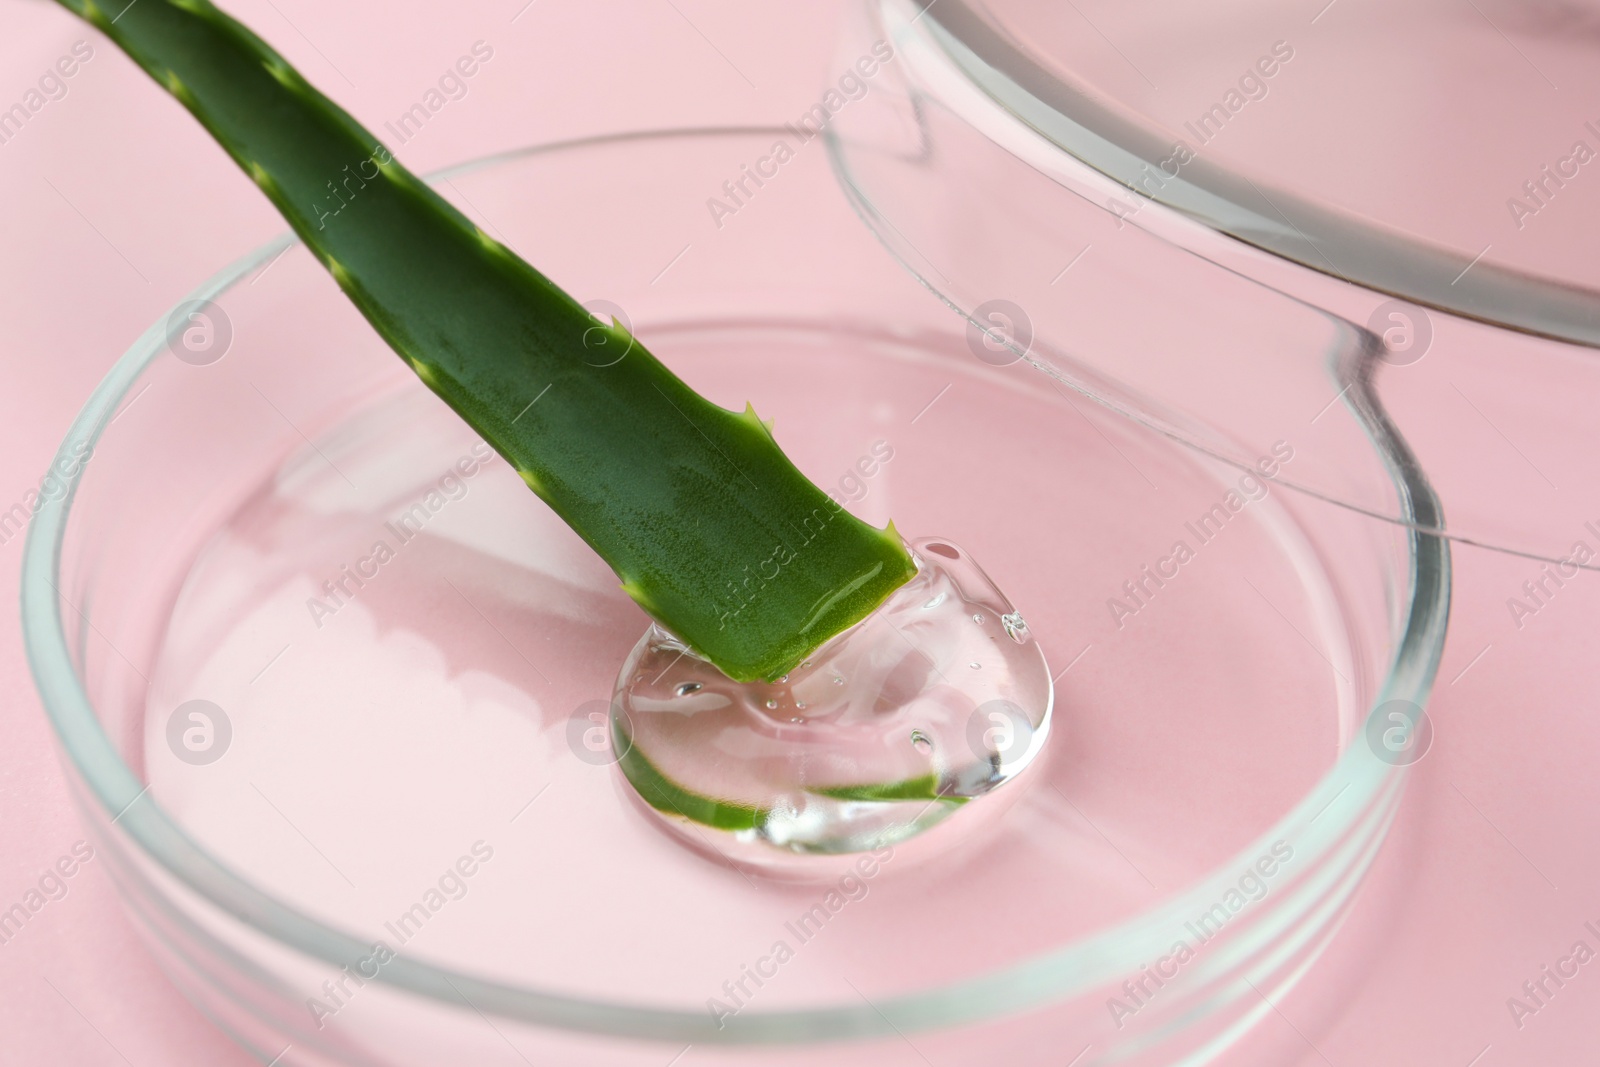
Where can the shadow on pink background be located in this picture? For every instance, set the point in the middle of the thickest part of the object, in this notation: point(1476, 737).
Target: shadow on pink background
point(115, 204)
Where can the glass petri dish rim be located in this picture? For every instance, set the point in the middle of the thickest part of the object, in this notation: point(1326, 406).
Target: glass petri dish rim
point(1368, 253)
point(1369, 787)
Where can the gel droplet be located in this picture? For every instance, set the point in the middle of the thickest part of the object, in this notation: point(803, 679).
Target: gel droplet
point(850, 781)
point(1016, 627)
point(689, 687)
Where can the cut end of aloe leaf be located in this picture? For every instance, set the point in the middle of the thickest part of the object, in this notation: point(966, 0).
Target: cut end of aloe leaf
point(773, 615)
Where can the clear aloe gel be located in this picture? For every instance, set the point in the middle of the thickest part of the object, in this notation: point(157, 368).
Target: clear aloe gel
point(928, 705)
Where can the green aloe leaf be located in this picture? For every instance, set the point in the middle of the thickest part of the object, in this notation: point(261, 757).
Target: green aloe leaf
point(713, 531)
point(667, 796)
point(925, 788)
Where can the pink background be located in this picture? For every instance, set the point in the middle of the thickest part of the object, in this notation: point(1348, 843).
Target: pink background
point(115, 204)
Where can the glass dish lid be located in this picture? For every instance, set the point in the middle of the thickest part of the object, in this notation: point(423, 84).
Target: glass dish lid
point(1255, 192)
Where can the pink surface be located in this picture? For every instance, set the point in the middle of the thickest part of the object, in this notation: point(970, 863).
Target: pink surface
point(115, 204)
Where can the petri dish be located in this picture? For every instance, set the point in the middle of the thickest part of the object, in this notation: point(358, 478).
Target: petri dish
point(347, 791)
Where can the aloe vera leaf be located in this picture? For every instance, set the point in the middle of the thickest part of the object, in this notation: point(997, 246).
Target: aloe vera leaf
point(713, 531)
point(667, 796)
point(925, 788)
